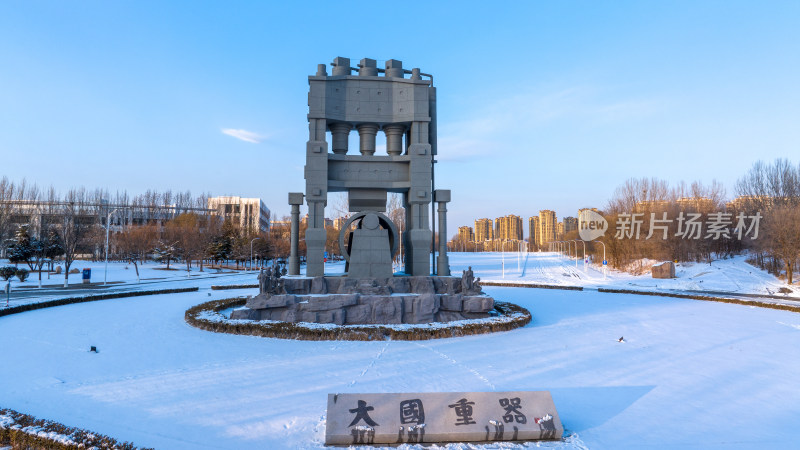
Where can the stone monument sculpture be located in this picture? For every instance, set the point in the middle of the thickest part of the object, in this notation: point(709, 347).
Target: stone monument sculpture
point(368, 102)
point(369, 99)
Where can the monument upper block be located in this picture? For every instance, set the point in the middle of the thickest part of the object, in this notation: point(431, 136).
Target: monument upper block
point(368, 96)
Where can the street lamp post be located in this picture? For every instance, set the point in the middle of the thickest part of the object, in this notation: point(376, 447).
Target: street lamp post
point(584, 253)
point(108, 227)
point(251, 253)
point(604, 258)
point(503, 255)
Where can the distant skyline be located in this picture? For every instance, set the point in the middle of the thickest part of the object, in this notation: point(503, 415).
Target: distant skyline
point(541, 105)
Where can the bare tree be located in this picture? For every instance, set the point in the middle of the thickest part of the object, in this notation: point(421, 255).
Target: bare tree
point(77, 227)
point(135, 243)
point(773, 190)
point(781, 237)
point(6, 211)
point(766, 185)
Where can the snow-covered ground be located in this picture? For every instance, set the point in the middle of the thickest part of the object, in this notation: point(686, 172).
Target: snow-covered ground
point(122, 277)
point(690, 374)
point(727, 275)
point(732, 275)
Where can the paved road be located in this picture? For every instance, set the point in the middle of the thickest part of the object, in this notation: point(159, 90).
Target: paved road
point(58, 291)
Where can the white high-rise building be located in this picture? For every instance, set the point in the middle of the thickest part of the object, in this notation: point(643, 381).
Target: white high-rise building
point(249, 213)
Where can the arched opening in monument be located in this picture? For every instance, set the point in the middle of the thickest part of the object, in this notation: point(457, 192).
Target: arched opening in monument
point(370, 247)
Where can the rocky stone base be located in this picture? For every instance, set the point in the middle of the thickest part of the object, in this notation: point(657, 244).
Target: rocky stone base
point(664, 269)
point(348, 301)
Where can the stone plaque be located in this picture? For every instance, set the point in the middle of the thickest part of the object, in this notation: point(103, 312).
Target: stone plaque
point(434, 417)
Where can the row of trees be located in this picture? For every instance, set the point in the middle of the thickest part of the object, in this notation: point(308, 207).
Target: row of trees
point(649, 219)
point(52, 228)
point(190, 238)
point(775, 190)
point(40, 226)
point(764, 219)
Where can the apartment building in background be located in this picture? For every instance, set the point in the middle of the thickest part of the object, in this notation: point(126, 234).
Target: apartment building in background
point(508, 228)
point(465, 234)
point(548, 227)
point(570, 224)
point(483, 230)
point(249, 213)
point(533, 229)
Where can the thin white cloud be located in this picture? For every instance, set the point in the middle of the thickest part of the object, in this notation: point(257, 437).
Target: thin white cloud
point(513, 118)
point(244, 135)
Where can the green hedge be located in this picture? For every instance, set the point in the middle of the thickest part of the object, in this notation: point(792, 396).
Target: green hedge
point(530, 285)
point(511, 316)
point(233, 286)
point(87, 298)
point(22, 431)
point(704, 298)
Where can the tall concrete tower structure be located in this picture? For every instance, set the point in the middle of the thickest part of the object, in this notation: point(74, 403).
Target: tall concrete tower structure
point(367, 99)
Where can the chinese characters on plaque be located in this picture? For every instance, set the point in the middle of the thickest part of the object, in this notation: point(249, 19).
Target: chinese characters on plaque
point(441, 417)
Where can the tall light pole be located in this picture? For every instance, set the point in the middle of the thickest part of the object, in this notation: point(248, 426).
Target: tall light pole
point(584, 254)
point(604, 258)
point(251, 253)
point(108, 227)
point(503, 256)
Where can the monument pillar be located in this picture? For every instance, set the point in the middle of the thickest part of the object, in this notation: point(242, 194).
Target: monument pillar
point(394, 139)
point(367, 133)
point(295, 199)
point(316, 196)
point(340, 133)
point(442, 197)
point(419, 196)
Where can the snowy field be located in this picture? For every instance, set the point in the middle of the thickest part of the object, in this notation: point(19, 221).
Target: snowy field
point(690, 374)
point(732, 275)
point(121, 277)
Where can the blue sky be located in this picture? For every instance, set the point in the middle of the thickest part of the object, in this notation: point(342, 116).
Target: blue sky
point(542, 105)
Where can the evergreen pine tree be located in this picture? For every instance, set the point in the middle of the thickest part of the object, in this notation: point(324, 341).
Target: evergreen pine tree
point(20, 249)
